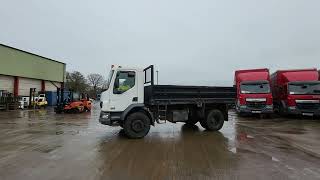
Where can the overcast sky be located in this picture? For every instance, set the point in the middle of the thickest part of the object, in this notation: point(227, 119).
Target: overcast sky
point(189, 41)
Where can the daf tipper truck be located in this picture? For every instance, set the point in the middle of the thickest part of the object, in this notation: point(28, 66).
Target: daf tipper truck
point(253, 91)
point(134, 102)
point(296, 92)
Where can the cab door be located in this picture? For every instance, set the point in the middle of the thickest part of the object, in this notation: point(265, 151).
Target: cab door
point(125, 91)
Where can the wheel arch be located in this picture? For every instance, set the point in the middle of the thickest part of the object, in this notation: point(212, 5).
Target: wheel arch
point(139, 107)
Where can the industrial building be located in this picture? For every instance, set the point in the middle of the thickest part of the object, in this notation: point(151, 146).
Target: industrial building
point(21, 70)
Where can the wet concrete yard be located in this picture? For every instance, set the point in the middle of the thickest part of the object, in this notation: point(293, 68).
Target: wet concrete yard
point(43, 145)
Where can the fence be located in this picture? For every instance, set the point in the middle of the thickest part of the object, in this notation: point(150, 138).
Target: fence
point(9, 103)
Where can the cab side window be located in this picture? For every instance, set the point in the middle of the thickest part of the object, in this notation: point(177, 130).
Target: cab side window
point(124, 81)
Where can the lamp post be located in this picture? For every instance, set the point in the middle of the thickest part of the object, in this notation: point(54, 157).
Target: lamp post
point(157, 77)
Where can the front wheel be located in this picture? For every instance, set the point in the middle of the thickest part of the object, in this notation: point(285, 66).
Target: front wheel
point(213, 121)
point(136, 125)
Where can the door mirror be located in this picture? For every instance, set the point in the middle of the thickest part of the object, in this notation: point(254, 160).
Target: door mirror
point(116, 87)
point(116, 84)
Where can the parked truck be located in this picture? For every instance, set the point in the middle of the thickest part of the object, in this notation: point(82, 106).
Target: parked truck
point(296, 92)
point(253, 91)
point(134, 102)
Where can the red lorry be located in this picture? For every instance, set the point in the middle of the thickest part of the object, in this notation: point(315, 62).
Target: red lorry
point(253, 91)
point(296, 92)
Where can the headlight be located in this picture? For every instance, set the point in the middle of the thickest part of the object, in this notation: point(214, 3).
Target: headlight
point(105, 115)
point(292, 107)
point(269, 106)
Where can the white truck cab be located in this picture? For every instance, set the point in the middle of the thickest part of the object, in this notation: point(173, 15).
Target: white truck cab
point(124, 96)
point(125, 87)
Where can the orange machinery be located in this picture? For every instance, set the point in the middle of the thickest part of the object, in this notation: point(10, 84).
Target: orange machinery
point(71, 104)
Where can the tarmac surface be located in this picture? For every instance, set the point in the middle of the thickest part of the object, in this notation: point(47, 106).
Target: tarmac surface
point(39, 144)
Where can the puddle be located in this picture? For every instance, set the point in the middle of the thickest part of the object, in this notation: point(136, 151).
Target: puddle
point(233, 150)
point(59, 132)
point(250, 137)
point(293, 131)
point(9, 123)
point(34, 132)
point(283, 147)
point(47, 149)
point(275, 159)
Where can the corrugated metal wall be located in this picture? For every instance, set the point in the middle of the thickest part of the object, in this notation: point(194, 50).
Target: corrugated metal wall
point(15, 62)
point(25, 84)
point(51, 87)
point(7, 83)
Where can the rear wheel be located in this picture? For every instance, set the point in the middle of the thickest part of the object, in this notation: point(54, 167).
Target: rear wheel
point(213, 121)
point(136, 125)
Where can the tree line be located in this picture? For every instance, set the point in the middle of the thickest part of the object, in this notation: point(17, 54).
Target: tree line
point(91, 84)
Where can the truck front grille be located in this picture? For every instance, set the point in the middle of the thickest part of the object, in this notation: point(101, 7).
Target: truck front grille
point(256, 105)
point(308, 106)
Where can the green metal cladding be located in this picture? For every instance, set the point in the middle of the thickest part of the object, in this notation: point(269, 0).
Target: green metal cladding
point(15, 62)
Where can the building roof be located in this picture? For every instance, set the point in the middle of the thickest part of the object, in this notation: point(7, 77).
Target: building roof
point(31, 53)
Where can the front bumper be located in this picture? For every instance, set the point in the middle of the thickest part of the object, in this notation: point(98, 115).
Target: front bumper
point(268, 109)
point(110, 118)
point(307, 112)
point(105, 118)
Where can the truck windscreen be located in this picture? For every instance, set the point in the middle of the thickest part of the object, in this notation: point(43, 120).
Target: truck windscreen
point(255, 88)
point(304, 88)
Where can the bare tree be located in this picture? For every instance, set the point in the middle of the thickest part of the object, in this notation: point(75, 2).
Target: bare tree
point(96, 81)
point(76, 81)
point(105, 84)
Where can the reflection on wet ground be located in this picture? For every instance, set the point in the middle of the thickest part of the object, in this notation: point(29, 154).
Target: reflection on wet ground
point(43, 145)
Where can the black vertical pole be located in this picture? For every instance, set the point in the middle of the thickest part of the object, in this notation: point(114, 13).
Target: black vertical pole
point(157, 77)
point(30, 94)
point(62, 96)
point(58, 96)
point(152, 75)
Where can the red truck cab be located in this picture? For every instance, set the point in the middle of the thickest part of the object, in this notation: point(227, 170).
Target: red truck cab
point(253, 91)
point(296, 91)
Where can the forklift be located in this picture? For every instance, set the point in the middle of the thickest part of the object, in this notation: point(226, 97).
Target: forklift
point(36, 101)
point(71, 104)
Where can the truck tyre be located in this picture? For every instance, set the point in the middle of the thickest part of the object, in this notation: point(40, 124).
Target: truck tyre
point(203, 123)
point(282, 110)
point(214, 120)
point(192, 121)
point(136, 125)
point(193, 118)
point(121, 124)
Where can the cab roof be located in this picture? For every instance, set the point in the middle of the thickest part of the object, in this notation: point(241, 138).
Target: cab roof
point(284, 76)
point(251, 75)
